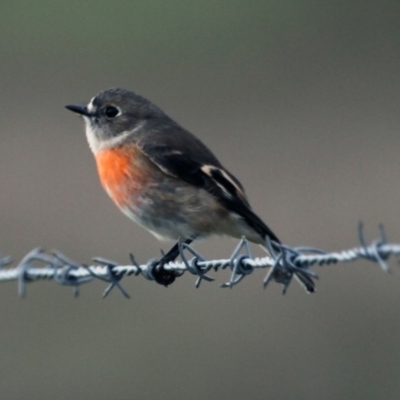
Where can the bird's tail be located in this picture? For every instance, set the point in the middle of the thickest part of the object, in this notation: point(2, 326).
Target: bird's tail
point(255, 222)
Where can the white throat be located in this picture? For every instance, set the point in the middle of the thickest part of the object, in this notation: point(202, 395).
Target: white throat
point(94, 137)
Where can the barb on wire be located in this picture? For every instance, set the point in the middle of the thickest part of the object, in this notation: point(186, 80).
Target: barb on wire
point(283, 263)
point(110, 277)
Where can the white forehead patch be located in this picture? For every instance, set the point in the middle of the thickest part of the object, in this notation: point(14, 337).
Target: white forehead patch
point(90, 105)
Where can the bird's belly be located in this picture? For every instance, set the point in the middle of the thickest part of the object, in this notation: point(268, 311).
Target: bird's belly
point(173, 209)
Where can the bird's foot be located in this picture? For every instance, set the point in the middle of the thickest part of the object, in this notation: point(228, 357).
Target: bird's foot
point(161, 275)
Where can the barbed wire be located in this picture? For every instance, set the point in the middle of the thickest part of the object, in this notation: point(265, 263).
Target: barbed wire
point(283, 264)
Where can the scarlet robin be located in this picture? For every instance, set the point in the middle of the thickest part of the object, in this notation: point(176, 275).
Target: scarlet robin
point(163, 177)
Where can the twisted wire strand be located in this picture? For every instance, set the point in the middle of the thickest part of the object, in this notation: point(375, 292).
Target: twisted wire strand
point(283, 266)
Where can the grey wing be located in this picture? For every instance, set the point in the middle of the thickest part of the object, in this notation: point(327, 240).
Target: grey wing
point(180, 154)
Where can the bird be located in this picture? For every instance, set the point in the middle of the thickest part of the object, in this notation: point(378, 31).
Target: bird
point(163, 177)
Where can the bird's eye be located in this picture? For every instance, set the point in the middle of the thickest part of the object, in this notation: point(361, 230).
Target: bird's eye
point(111, 112)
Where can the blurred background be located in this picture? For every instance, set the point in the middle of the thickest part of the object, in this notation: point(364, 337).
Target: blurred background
point(300, 100)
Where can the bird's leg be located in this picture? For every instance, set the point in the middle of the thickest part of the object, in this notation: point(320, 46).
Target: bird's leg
point(161, 275)
point(173, 253)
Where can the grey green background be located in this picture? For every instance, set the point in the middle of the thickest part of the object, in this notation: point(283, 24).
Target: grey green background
point(300, 100)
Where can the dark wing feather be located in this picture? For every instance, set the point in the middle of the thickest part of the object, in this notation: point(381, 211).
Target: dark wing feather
point(182, 155)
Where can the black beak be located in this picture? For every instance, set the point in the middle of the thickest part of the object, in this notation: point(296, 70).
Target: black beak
point(82, 110)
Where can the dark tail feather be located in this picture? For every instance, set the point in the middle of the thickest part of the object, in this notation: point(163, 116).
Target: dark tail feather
point(259, 226)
